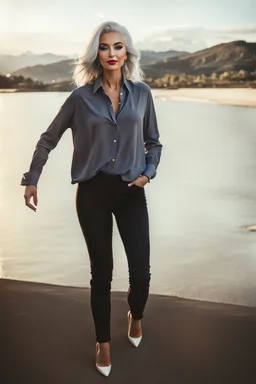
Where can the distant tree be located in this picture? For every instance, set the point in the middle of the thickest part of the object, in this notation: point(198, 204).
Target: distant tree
point(242, 74)
point(225, 76)
point(166, 79)
point(214, 76)
point(175, 79)
point(159, 82)
point(29, 82)
point(197, 79)
point(5, 82)
point(204, 78)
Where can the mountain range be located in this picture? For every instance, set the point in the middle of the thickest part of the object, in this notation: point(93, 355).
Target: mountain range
point(233, 56)
point(10, 63)
point(61, 70)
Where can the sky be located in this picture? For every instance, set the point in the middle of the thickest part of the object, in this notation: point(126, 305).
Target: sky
point(64, 27)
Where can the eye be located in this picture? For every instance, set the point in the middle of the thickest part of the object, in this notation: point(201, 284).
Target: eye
point(102, 48)
point(119, 47)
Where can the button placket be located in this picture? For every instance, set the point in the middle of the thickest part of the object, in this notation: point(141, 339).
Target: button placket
point(112, 111)
point(115, 146)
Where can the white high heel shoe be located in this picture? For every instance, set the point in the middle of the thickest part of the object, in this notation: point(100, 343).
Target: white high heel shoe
point(135, 341)
point(104, 370)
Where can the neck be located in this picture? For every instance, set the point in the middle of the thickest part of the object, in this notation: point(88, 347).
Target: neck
point(112, 79)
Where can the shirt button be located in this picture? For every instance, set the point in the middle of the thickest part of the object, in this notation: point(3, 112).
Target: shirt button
point(121, 94)
point(114, 141)
point(113, 159)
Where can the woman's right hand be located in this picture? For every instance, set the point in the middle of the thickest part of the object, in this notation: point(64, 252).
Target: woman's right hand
point(31, 191)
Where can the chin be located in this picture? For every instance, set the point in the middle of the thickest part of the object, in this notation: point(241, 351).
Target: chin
point(112, 67)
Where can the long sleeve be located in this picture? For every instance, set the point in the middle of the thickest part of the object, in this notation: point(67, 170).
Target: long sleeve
point(48, 141)
point(151, 139)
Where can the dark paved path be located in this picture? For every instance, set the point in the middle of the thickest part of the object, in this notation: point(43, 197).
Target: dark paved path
point(47, 337)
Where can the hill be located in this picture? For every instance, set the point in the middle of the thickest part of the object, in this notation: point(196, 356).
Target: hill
point(61, 71)
point(10, 63)
point(152, 57)
point(56, 72)
point(234, 56)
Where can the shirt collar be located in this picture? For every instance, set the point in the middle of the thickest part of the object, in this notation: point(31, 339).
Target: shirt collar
point(98, 83)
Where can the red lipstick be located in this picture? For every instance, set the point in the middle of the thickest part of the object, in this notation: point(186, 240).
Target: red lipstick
point(112, 62)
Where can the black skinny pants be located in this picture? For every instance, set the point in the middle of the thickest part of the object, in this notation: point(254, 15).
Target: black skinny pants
point(96, 200)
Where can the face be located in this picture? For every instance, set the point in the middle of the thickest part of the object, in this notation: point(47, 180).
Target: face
point(112, 51)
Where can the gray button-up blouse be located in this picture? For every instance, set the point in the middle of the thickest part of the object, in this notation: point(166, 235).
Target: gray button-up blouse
point(127, 144)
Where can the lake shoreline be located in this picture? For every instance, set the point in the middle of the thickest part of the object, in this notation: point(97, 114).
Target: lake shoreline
point(224, 96)
point(243, 97)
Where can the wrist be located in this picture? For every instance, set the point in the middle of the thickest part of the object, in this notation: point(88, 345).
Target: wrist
point(147, 178)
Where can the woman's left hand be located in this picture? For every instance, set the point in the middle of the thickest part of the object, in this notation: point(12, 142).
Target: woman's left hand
point(140, 181)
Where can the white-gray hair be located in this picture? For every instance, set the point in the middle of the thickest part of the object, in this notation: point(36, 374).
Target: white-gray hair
point(87, 68)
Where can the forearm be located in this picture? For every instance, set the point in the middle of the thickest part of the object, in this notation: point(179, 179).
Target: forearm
point(48, 141)
point(39, 159)
point(153, 147)
point(152, 158)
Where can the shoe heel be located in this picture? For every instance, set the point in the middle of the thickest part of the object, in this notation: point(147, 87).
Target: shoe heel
point(135, 341)
point(104, 370)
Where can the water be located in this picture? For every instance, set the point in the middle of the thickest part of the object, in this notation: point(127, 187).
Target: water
point(205, 191)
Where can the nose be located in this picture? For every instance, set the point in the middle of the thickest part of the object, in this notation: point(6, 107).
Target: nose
point(111, 53)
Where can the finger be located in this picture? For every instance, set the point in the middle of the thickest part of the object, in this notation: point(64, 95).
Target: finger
point(31, 206)
point(28, 204)
point(35, 200)
point(27, 199)
point(130, 184)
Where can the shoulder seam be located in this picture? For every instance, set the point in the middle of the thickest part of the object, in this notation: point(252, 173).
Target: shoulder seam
point(143, 85)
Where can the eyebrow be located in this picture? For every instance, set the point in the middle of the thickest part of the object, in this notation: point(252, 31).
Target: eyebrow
point(119, 42)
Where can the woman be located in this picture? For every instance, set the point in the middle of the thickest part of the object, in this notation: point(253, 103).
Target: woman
point(116, 153)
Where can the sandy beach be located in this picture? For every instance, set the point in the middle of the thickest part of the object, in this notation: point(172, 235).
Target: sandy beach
point(47, 337)
point(225, 96)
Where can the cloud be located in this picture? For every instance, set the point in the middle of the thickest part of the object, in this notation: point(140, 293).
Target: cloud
point(241, 30)
point(192, 39)
point(182, 38)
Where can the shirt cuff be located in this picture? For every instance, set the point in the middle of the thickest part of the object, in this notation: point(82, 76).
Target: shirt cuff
point(30, 178)
point(150, 171)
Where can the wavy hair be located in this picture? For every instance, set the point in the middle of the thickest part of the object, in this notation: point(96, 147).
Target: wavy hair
point(87, 68)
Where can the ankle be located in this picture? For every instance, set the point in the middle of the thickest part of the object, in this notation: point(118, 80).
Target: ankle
point(104, 345)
